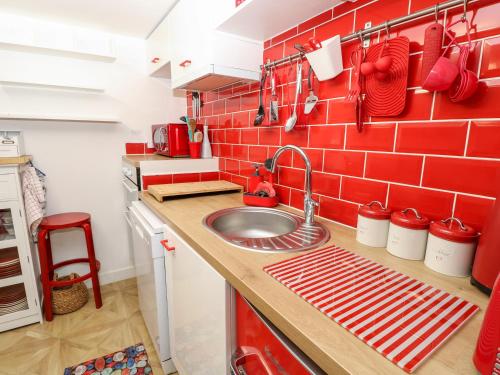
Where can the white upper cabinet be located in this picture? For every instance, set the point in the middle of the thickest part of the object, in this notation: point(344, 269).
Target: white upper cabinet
point(203, 58)
point(262, 19)
point(188, 52)
point(158, 47)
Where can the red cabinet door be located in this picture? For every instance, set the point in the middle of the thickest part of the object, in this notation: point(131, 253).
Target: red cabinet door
point(262, 349)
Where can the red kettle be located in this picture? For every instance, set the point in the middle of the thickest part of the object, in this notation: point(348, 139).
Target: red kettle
point(487, 259)
point(487, 355)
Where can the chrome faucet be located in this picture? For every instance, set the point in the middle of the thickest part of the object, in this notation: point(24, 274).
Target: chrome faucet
point(309, 203)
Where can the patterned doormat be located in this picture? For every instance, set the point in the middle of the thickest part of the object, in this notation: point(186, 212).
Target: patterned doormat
point(129, 361)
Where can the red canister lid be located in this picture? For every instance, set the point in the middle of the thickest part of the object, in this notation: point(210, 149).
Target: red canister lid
point(375, 210)
point(452, 229)
point(410, 218)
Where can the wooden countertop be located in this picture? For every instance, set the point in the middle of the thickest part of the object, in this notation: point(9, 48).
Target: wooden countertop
point(332, 347)
point(15, 160)
point(135, 160)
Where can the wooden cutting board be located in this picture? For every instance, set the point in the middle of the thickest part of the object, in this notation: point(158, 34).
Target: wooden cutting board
point(160, 192)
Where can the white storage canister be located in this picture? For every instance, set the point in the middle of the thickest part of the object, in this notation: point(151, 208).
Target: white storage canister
point(451, 248)
point(373, 224)
point(408, 234)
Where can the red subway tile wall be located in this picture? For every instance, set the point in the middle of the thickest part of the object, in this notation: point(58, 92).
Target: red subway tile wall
point(440, 157)
point(138, 149)
point(135, 148)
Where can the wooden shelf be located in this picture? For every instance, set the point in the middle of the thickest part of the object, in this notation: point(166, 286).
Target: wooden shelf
point(58, 117)
point(57, 52)
point(14, 160)
point(263, 19)
point(52, 86)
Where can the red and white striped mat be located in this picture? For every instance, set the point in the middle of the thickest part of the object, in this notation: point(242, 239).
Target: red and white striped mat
point(402, 318)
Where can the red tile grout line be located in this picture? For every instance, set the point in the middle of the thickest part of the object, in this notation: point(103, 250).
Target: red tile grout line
point(340, 186)
point(387, 194)
point(364, 164)
point(396, 128)
point(467, 138)
point(454, 205)
point(422, 172)
point(480, 62)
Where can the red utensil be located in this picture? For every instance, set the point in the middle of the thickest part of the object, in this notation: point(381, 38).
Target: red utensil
point(386, 91)
point(459, 83)
point(466, 83)
point(359, 113)
point(441, 76)
point(444, 72)
point(357, 58)
point(432, 48)
point(381, 66)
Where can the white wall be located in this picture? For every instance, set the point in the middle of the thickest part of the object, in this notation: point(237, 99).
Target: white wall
point(83, 160)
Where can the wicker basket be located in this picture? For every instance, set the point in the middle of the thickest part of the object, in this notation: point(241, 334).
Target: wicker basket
point(69, 298)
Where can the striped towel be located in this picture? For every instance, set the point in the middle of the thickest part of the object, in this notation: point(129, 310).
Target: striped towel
point(402, 318)
point(34, 198)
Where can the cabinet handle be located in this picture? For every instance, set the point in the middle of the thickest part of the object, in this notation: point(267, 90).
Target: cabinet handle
point(155, 60)
point(164, 243)
point(185, 63)
point(246, 352)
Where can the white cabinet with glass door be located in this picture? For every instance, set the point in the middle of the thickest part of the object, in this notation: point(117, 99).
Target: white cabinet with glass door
point(19, 299)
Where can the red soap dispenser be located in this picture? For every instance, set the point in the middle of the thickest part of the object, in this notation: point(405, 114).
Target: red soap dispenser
point(255, 179)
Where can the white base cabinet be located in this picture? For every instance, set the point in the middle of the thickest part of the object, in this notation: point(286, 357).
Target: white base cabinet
point(199, 311)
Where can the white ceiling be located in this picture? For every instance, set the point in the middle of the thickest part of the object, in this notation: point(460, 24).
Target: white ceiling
point(128, 17)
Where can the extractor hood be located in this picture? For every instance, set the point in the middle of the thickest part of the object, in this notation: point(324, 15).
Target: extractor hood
point(211, 77)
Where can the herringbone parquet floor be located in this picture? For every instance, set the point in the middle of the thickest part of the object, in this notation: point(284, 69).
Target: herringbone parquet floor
point(46, 349)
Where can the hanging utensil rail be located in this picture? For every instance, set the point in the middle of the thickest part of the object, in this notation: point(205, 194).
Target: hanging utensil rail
point(388, 24)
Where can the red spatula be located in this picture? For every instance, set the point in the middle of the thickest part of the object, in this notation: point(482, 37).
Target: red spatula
point(432, 49)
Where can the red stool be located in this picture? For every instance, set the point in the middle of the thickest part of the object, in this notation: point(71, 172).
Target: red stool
point(65, 221)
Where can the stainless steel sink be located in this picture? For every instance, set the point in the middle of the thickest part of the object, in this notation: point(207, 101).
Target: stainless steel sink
point(265, 229)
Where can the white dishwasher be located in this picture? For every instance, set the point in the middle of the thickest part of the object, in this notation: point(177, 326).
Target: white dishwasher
point(147, 232)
